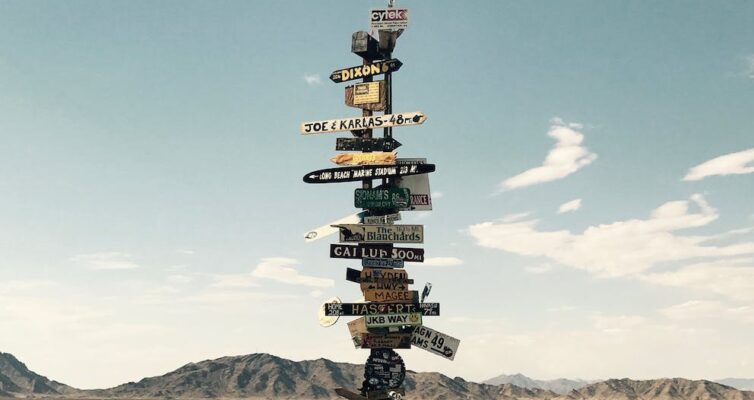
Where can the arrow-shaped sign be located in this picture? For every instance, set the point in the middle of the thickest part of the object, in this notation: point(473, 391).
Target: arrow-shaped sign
point(356, 123)
point(350, 174)
point(365, 71)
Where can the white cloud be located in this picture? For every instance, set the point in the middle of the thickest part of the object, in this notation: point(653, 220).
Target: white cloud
point(538, 269)
point(705, 309)
point(442, 261)
point(316, 293)
point(437, 195)
point(732, 278)
point(312, 79)
point(620, 248)
point(567, 157)
point(738, 163)
point(279, 269)
point(569, 206)
point(105, 261)
point(750, 66)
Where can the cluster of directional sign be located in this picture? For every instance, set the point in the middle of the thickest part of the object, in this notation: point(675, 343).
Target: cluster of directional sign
point(390, 316)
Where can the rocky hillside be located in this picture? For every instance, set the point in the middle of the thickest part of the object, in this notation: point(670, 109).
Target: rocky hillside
point(16, 378)
point(263, 376)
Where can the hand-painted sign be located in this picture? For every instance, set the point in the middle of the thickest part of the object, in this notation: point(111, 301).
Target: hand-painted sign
point(361, 309)
point(421, 196)
point(365, 71)
point(388, 320)
point(389, 19)
point(358, 233)
point(381, 219)
point(358, 173)
point(370, 122)
point(370, 275)
point(382, 263)
point(435, 342)
point(392, 296)
point(384, 370)
point(376, 158)
point(376, 251)
point(389, 341)
point(380, 199)
point(366, 144)
point(327, 230)
point(367, 96)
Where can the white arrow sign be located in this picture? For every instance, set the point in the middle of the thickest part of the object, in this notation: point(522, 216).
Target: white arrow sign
point(358, 123)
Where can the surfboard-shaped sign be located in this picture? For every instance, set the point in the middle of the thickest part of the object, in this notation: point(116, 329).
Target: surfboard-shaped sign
point(358, 173)
point(374, 158)
point(366, 71)
point(357, 123)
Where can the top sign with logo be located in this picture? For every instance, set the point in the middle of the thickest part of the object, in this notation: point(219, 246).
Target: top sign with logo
point(388, 19)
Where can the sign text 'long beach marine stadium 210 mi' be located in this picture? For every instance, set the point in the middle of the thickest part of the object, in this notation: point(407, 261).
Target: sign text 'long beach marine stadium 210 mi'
point(391, 316)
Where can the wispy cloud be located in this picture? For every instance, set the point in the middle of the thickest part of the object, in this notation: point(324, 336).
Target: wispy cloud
point(567, 157)
point(105, 261)
point(731, 278)
point(279, 269)
point(738, 163)
point(569, 206)
point(620, 248)
point(442, 261)
point(538, 269)
point(707, 309)
point(312, 79)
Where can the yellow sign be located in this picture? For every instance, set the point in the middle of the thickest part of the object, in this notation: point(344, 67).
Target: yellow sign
point(366, 93)
point(375, 158)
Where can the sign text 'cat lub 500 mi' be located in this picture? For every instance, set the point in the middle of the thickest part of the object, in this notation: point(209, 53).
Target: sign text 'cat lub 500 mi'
point(357, 233)
point(358, 173)
point(376, 252)
point(356, 123)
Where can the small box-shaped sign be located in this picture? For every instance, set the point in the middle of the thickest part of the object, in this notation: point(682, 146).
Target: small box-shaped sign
point(367, 96)
point(365, 46)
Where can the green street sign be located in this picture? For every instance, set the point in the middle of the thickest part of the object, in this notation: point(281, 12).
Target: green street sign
point(382, 198)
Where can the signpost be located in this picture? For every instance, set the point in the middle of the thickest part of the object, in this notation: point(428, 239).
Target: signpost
point(391, 315)
point(358, 233)
point(366, 144)
point(366, 71)
point(366, 251)
point(380, 199)
point(355, 123)
point(350, 174)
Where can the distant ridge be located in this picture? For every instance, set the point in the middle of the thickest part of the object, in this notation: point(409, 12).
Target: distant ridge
point(560, 386)
point(264, 376)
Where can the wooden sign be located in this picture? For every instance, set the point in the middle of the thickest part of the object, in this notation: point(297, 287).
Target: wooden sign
point(326, 319)
point(379, 219)
point(362, 309)
point(381, 199)
point(366, 144)
point(368, 275)
point(358, 233)
point(382, 263)
point(367, 96)
point(392, 296)
point(388, 19)
point(357, 327)
point(365, 71)
point(388, 320)
point(385, 284)
point(435, 342)
point(358, 173)
point(376, 251)
point(356, 123)
point(389, 341)
point(375, 158)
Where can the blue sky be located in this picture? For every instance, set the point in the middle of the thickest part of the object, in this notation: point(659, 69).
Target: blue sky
point(152, 207)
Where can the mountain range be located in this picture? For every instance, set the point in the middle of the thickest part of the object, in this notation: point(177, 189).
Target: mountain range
point(264, 376)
